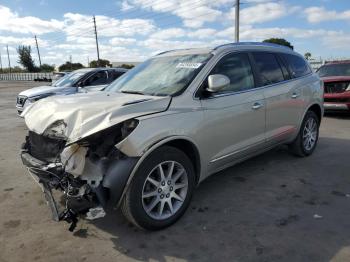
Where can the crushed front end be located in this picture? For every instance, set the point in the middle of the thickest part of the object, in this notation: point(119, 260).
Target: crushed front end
point(85, 178)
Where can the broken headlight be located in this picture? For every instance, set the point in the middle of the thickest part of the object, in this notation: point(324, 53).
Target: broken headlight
point(56, 130)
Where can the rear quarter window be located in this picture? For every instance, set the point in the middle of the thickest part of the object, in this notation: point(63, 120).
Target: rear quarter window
point(297, 65)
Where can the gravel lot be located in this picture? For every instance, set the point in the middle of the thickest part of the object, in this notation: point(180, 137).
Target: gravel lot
point(260, 210)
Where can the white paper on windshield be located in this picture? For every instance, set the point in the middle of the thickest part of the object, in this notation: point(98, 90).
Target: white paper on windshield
point(188, 65)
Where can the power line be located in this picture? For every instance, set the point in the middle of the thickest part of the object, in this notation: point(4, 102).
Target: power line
point(193, 4)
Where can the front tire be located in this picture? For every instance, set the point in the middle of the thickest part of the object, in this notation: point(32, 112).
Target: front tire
point(307, 139)
point(160, 190)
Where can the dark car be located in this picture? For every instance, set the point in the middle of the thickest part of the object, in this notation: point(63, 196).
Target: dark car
point(336, 78)
point(87, 79)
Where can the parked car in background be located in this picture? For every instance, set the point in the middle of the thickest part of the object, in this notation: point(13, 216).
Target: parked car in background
point(58, 75)
point(153, 135)
point(336, 78)
point(82, 80)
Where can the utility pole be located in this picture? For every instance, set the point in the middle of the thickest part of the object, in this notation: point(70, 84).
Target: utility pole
point(88, 60)
point(237, 22)
point(8, 57)
point(1, 61)
point(98, 51)
point(70, 60)
point(37, 48)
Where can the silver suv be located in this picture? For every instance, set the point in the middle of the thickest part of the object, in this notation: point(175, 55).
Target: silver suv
point(154, 134)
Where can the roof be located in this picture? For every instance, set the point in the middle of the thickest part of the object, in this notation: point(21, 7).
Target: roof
point(90, 69)
point(238, 46)
point(337, 62)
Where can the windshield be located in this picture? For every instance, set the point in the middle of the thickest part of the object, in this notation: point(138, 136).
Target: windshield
point(334, 70)
point(161, 76)
point(69, 79)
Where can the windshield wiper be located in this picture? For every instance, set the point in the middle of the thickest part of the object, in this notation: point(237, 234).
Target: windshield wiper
point(132, 92)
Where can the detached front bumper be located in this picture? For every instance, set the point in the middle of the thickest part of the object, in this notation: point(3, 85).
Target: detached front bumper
point(79, 197)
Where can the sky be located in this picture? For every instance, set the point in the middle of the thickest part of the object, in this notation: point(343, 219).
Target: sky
point(134, 30)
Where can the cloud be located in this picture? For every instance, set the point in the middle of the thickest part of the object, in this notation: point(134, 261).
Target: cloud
point(169, 33)
point(202, 33)
point(263, 12)
point(317, 14)
point(193, 13)
point(106, 26)
point(121, 41)
point(12, 22)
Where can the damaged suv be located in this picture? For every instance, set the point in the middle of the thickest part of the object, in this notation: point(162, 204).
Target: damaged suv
point(147, 140)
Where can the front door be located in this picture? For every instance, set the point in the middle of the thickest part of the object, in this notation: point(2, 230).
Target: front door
point(235, 116)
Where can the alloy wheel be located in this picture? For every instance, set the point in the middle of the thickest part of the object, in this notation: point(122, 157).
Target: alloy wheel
point(165, 190)
point(310, 134)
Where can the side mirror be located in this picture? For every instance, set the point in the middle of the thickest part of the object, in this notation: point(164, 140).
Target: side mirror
point(217, 82)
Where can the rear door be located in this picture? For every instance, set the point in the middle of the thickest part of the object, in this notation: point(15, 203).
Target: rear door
point(283, 107)
point(234, 117)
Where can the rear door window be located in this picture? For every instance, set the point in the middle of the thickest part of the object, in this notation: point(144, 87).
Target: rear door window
point(268, 67)
point(113, 75)
point(99, 78)
point(297, 65)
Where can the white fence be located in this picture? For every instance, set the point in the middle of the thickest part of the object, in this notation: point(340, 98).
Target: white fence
point(27, 77)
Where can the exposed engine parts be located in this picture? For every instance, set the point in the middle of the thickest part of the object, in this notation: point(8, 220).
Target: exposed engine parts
point(77, 171)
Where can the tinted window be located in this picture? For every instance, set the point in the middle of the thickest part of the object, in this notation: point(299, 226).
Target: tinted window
point(99, 78)
point(268, 67)
point(297, 65)
point(113, 75)
point(334, 70)
point(237, 68)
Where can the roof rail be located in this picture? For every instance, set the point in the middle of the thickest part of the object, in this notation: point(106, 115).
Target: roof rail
point(252, 43)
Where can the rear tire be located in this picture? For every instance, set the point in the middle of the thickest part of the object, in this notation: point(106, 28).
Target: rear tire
point(160, 190)
point(306, 141)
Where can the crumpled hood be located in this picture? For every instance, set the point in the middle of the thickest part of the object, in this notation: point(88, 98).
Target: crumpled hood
point(36, 91)
point(88, 113)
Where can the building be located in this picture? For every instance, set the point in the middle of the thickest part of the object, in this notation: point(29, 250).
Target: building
point(118, 64)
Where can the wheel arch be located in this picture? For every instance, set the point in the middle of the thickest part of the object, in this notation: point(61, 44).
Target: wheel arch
point(316, 108)
point(183, 143)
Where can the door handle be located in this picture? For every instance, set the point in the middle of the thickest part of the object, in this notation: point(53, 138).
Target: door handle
point(295, 95)
point(256, 105)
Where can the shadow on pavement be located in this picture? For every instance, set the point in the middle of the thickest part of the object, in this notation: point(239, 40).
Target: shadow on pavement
point(260, 210)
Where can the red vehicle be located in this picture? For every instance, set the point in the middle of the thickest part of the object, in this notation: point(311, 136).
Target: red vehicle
point(336, 78)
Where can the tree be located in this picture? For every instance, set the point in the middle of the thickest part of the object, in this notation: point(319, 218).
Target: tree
point(25, 58)
point(68, 66)
point(307, 55)
point(279, 41)
point(101, 63)
point(47, 68)
point(126, 66)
